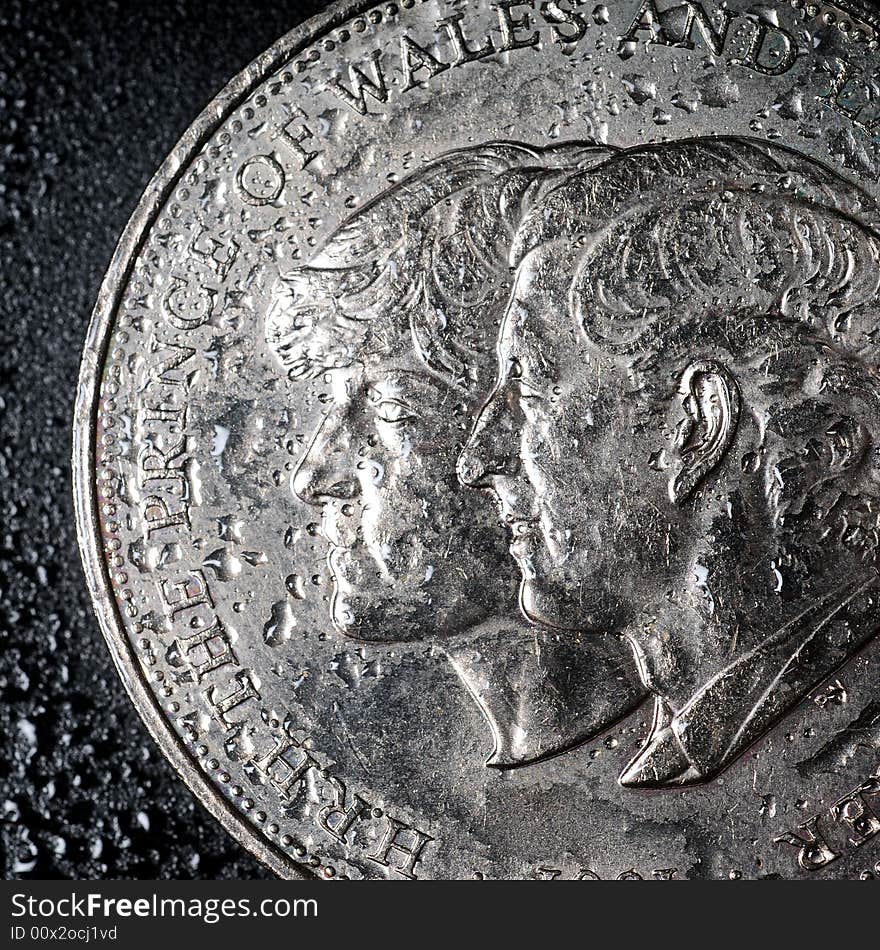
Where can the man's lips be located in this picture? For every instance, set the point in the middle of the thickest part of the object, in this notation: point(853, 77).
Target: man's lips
point(522, 526)
point(520, 523)
point(522, 533)
point(337, 570)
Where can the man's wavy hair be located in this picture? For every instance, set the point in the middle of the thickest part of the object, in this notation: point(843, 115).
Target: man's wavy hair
point(425, 265)
point(750, 250)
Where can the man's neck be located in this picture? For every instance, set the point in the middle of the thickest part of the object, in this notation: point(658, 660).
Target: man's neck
point(679, 650)
point(712, 709)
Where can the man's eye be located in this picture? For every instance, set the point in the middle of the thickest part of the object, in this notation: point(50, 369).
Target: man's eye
point(393, 412)
point(528, 393)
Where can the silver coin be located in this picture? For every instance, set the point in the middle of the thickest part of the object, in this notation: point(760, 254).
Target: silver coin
point(477, 457)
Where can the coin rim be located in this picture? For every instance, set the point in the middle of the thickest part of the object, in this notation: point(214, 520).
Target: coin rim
point(97, 342)
point(85, 420)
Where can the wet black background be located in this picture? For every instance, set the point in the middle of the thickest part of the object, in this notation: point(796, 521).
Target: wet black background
point(93, 95)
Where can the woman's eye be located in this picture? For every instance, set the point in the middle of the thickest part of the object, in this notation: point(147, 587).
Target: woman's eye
point(393, 412)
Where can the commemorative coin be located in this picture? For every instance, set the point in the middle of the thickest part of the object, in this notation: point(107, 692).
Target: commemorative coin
point(477, 446)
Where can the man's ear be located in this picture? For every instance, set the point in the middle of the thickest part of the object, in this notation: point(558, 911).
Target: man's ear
point(711, 404)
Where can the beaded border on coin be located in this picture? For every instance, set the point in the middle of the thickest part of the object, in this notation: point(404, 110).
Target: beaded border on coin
point(95, 418)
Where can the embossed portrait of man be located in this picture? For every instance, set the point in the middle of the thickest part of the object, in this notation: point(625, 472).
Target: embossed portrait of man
point(399, 311)
point(685, 434)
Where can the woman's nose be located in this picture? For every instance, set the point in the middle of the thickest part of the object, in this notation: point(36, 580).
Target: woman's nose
point(491, 449)
point(326, 471)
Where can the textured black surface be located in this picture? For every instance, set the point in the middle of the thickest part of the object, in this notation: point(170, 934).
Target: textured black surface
point(92, 98)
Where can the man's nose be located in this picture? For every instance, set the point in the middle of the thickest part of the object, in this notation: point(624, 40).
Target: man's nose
point(491, 450)
point(326, 471)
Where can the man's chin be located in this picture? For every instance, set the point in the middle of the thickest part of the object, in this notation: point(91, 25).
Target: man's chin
point(550, 605)
point(372, 618)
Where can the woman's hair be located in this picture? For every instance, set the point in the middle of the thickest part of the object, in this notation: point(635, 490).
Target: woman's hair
point(426, 265)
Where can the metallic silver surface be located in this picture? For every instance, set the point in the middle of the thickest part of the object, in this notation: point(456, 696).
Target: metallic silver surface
point(476, 449)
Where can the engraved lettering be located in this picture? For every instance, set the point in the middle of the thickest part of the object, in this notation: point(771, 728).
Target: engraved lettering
point(463, 53)
point(173, 357)
point(770, 50)
point(190, 593)
point(510, 25)
point(218, 255)
point(243, 689)
point(282, 774)
point(646, 20)
point(853, 811)
point(413, 58)
point(763, 54)
point(814, 852)
point(405, 843)
point(175, 416)
point(212, 645)
point(156, 464)
point(675, 26)
point(694, 14)
point(337, 818)
point(567, 26)
point(158, 516)
point(363, 85)
point(294, 139)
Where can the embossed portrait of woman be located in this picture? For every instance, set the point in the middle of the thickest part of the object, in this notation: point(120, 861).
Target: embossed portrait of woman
point(400, 311)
